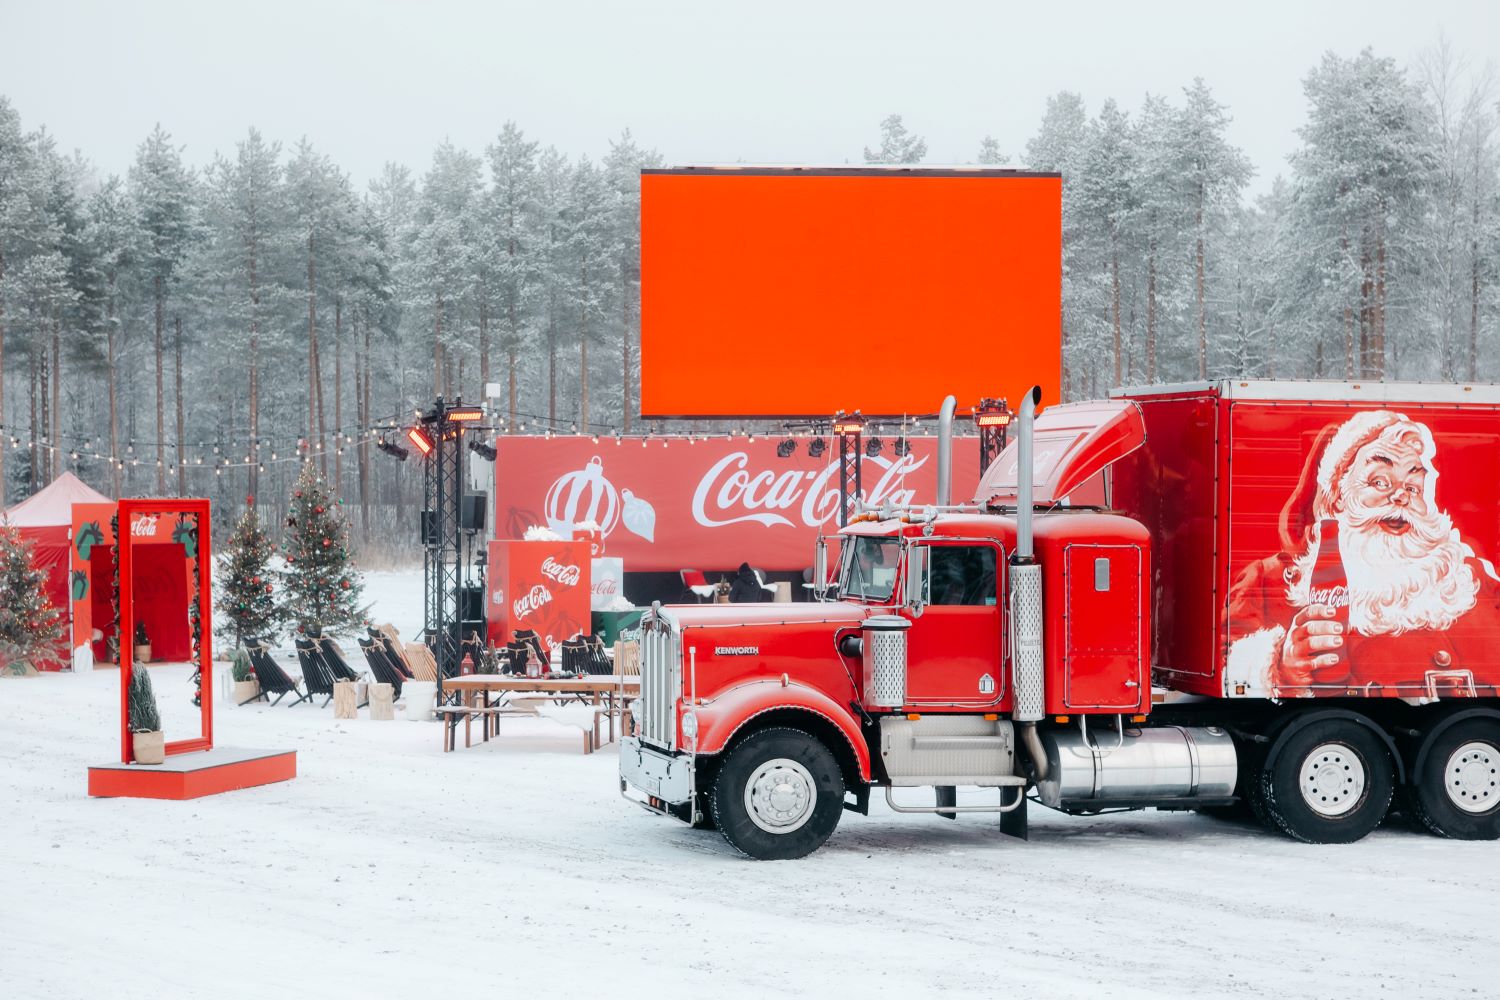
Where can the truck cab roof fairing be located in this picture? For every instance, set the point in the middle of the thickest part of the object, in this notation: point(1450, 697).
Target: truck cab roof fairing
point(1074, 441)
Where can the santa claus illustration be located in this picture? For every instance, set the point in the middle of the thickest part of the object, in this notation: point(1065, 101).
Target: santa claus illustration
point(1376, 592)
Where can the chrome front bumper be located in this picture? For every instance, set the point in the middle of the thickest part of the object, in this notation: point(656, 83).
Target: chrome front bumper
point(667, 778)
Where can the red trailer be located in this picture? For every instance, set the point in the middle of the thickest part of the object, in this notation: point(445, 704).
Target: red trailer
point(1285, 604)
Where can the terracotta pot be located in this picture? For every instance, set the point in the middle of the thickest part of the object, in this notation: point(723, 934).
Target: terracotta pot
point(149, 747)
point(143, 653)
point(246, 690)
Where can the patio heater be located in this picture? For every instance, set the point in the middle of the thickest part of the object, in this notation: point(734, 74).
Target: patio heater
point(848, 428)
point(992, 417)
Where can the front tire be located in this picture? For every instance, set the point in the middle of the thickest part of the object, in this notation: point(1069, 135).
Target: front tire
point(778, 795)
point(1457, 791)
point(1331, 783)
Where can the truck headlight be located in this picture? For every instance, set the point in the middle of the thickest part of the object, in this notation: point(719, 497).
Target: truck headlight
point(690, 725)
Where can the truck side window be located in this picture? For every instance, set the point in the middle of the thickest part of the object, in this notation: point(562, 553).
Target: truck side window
point(962, 574)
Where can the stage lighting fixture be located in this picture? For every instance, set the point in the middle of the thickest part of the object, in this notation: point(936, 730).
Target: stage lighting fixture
point(484, 451)
point(464, 415)
point(872, 447)
point(392, 449)
point(786, 448)
point(992, 413)
point(816, 447)
point(848, 425)
point(419, 437)
point(902, 447)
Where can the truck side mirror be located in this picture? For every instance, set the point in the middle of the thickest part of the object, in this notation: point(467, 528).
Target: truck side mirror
point(914, 587)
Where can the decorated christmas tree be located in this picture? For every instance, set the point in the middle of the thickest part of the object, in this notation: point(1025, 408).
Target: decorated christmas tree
point(247, 606)
point(321, 586)
point(30, 627)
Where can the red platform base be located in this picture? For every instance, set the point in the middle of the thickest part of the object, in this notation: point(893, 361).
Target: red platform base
point(191, 775)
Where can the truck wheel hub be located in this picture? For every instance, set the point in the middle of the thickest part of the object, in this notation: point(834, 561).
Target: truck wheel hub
point(1471, 777)
point(780, 796)
point(1332, 779)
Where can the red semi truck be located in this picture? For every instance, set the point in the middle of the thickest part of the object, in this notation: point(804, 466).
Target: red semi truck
point(1272, 596)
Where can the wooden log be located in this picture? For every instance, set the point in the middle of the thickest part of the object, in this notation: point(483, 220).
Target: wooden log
point(381, 702)
point(345, 700)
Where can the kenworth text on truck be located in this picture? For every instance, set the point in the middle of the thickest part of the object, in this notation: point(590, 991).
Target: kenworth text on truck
point(1266, 595)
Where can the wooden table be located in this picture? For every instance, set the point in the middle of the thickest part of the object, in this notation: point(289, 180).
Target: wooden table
point(611, 693)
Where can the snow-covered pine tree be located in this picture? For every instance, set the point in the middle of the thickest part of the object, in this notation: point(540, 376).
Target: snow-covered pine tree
point(30, 627)
point(247, 606)
point(321, 585)
point(897, 145)
point(145, 717)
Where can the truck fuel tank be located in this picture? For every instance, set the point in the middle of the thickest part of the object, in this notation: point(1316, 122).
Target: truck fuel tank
point(1100, 768)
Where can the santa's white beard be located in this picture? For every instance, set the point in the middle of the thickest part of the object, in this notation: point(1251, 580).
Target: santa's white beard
point(1397, 582)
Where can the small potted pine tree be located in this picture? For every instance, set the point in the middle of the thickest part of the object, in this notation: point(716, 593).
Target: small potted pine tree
point(145, 720)
point(246, 687)
point(142, 644)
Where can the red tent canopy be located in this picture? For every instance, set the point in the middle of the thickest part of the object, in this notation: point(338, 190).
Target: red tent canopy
point(44, 519)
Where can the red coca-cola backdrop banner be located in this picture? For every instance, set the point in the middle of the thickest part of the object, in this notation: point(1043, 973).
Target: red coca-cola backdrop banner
point(667, 504)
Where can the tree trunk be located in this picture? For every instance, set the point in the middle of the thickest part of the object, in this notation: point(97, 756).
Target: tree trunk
point(1151, 314)
point(510, 315)
point(253, 468)
point(1474, 300)
point(484, 347)
point(3, 424)
point(1114, 277)
point(181, 423)
point(55, 456)
point(437, 349)
point(112, 379)
point(161, 402)
point(34, 441)
point(552, 365)
point(364, 442)
point(1380, 302)
point(338, 398)
point(1202, 304)
point(624, 346)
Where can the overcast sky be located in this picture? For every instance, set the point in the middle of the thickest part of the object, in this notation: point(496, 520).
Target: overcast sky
point(703, 82)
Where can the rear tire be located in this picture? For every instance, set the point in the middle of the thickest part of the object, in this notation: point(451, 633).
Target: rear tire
point(1331, 783)
point(778, 795)
point(1456, 792)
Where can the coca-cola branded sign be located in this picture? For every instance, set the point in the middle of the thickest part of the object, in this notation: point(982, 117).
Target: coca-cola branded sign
point(666, 504)
point(542, 586)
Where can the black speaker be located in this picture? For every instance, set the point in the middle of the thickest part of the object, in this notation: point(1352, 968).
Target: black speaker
point(471, 604)
point(472, 511)
point(429, 528)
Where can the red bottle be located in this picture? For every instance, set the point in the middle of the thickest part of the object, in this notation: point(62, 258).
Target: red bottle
point(1329, 586)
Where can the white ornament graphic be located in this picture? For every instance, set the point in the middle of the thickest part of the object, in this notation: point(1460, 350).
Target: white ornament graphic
point(638, 516)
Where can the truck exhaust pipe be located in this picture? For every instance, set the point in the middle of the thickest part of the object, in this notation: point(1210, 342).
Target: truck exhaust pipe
point(945, 452)
point(1027, 665)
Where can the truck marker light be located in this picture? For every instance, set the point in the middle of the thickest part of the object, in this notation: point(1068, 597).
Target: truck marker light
point(992, 717)
point(1137, 718)
point(913, 716)
point(1062, 720)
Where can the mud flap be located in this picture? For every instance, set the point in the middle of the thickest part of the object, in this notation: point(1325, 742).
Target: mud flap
point(1013, 823)
point(947, 798)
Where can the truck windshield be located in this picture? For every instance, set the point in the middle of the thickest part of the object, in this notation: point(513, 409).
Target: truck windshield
point(870, 569)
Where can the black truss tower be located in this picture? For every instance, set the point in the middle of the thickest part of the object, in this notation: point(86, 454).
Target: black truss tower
point(851, 460)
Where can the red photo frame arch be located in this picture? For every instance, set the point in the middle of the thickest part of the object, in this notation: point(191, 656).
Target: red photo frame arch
point(129, 513)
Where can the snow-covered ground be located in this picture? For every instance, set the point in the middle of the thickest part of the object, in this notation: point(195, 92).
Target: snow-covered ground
point(388, 868)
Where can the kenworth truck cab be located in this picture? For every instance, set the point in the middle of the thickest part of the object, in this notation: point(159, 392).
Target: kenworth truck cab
point(1007, 643)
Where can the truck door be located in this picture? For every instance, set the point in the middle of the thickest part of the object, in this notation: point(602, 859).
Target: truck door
point(953, 648)
point(1103, 665)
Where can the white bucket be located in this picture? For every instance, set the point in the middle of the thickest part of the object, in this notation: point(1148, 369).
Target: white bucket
point(420, 698)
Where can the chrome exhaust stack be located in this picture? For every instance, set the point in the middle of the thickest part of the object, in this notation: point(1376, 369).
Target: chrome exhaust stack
point(1027, 665)
point(945, 452)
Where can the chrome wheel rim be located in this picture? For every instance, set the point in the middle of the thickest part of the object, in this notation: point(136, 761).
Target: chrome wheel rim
point(1471, 775)
point(780, 796)
point(1333, 779)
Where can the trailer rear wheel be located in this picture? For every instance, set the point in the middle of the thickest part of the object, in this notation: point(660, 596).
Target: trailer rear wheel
point(778, 795)
point(1330, 783)
point(1456, 792)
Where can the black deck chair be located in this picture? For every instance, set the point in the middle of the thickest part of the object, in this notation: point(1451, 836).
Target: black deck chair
point(337, 667)
point(381, 667)
point(317, 678)
point(393, 654)
point(274, 680)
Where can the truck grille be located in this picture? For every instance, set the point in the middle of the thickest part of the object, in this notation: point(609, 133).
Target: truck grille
point(661, 682)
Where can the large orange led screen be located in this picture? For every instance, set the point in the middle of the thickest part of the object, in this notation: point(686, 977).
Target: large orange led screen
point(798, 292)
